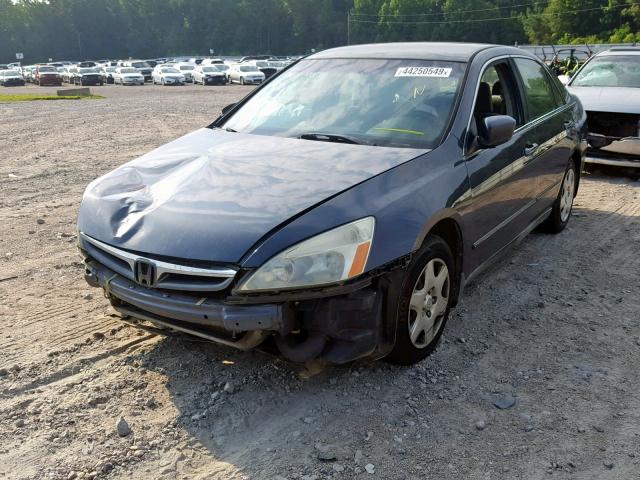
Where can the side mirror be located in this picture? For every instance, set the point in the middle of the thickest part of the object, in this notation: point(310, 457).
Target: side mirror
point(498, 129)
point(226, 109)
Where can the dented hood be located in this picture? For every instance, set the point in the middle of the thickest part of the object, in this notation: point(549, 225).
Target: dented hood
point(211, 194)
point(608, 99)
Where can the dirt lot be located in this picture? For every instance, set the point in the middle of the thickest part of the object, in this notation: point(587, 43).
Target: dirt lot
point(554, 327)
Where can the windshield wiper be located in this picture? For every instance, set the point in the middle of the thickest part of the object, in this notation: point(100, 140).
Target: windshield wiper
point(328, 137)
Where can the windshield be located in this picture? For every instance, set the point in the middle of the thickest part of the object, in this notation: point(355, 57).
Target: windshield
point(249, 69)
point(128, 70)
point(10, 73)
point(170, 70)
point(88, 70)
point(222, 67)
point(186, 67)
point(110, 69)
point(262, 64)
point(276, 64)
point(403, 103)
point(610, 71)
point(47, 69)
point(140, 65)
point(210, 69)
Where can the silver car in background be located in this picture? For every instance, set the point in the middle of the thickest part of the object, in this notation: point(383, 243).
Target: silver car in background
point(186, 69)
point(209, 75)
point(167, 75)
point(245, 74)
point(128, 76)
point(143, 67)
point(11, 78)
point(608, 85)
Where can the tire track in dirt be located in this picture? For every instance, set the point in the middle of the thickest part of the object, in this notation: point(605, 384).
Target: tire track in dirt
point(13, 349)
point(75, 368)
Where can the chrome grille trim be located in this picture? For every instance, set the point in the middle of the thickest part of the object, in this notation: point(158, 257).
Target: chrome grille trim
point(224, 276)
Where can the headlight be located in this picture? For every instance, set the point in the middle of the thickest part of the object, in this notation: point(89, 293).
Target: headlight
point(330, 257)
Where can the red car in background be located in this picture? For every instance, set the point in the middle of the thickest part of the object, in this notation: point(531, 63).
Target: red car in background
point(46, 75)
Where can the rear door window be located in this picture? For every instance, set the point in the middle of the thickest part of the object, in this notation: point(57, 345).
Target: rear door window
point(540, 96)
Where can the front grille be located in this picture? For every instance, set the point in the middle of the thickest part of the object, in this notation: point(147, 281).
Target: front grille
point(167, 276)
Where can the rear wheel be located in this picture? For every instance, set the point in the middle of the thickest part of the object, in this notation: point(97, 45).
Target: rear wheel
point(241, 80)
point(425, 301)
point(561, 210)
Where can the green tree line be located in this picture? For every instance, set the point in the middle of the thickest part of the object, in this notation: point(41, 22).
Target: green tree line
point(79, 29)
point(497, 21)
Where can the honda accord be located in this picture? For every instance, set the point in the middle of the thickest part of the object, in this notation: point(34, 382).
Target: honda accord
point(338, 211)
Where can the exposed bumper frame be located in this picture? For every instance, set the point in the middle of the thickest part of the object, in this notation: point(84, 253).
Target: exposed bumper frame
point(339, 325)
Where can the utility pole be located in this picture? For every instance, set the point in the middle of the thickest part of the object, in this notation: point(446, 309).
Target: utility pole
point(349, 27)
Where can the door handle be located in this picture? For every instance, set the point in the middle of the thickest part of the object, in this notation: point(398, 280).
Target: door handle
point(530, 149)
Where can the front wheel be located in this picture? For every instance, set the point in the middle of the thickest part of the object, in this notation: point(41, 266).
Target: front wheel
point(561, 210)
point(241, 80)
point(425, 301)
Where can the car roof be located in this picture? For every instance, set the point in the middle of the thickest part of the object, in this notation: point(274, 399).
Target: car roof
point(456, 52)
point(620, 51)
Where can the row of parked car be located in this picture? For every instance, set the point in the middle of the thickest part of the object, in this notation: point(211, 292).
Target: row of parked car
point(197, 70)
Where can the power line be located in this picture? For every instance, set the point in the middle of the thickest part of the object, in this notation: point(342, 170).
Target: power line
point(473, 20)
point(451, 13)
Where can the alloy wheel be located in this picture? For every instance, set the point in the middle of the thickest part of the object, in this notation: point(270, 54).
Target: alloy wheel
point(428, 303)
point(566, 197)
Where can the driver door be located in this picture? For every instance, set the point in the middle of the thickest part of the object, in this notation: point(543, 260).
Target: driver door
point(502, 184)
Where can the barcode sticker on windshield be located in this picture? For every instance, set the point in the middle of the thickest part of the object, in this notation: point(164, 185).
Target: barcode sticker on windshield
point(438, 72)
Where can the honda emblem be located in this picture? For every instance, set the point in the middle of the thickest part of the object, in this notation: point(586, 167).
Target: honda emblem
point(145, 272)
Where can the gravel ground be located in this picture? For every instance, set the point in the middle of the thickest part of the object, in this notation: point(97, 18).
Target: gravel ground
point(550, 334)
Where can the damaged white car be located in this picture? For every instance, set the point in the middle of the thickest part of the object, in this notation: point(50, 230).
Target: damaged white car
point(608, 85)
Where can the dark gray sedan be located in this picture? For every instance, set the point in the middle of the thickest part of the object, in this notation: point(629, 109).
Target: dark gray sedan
point(338, 211)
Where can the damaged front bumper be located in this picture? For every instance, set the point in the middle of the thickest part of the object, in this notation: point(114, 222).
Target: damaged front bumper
point(338, 324)
point(614, 139)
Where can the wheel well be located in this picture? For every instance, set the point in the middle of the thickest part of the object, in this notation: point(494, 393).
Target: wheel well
point(577, 159)
point(449, 230)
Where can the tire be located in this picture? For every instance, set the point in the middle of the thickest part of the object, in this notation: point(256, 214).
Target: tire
point(241, 80)
point(417, 311)
point(162, 82)
point(561, 210)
